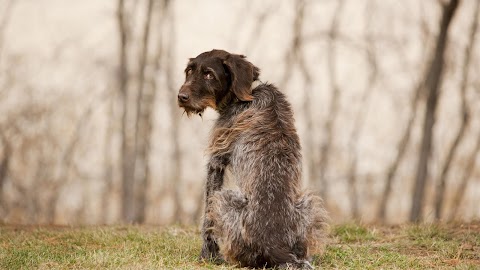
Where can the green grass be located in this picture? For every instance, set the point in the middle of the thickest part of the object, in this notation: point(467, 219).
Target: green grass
point(351, 246)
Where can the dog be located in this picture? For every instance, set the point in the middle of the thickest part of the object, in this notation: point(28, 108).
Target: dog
point(269, 221)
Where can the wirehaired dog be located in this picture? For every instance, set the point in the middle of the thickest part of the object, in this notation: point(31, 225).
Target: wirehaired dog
point(269, 222)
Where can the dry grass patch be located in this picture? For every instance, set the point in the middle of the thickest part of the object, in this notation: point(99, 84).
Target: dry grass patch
point(352, 246)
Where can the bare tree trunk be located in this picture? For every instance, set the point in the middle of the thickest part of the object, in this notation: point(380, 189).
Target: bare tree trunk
point(402, 144)
point(360, 116)
point(323, 185)
point(4, 165)
point(294, 55)
point(176, 158)
point(128, 166)
point(401, 150)
point(108, 166)
point(460, 194)
point(465, 117)
point(143, 126)
point(467, 172)
point(432, 85)
point(61, 177)
point(297, 53)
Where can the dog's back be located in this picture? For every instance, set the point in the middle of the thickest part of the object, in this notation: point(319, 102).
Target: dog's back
point(269, 221)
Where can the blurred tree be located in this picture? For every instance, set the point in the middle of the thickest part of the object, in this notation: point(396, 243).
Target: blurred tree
point(432, 85)
point(293, 57)
point(62, 174)
point(359, 120)
point(108, 165)
point(334, 105)
point(143, 123)
point(4, 162)
point(405, 139)
point(127, 153)
point(464, 117)
point(467, 173)
point(51, 140)
point(176, 154)
point(137, 89)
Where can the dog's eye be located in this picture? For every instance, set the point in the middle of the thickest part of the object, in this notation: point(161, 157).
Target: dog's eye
point(189, 72)
point(208, 76)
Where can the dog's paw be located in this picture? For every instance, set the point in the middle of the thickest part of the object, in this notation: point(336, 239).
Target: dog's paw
point(304, 265)
point(210, 253)
point(211, 257)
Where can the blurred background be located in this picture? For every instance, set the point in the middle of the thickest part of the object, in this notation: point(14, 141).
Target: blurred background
point(386, 96)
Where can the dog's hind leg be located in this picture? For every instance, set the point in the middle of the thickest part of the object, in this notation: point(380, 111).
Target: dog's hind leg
point(227, 213)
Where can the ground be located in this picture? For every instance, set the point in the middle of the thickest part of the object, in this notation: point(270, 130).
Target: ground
point(351, 246)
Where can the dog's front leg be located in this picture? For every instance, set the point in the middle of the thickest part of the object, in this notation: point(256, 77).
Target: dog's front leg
point(216, 171)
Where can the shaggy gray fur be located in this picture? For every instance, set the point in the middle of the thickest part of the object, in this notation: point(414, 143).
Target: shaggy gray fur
point(269, 221)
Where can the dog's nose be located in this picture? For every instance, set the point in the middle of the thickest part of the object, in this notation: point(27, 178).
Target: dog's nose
point(182, 97)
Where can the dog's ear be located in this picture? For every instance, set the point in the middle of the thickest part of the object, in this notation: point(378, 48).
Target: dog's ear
point(243, 74)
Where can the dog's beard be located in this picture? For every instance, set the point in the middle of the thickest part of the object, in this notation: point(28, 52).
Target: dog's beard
point(199, 107)
point(192, 110)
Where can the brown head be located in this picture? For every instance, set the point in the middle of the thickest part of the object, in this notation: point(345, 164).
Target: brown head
point(215, 78)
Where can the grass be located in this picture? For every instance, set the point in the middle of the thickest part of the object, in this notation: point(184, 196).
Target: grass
point(351, 246)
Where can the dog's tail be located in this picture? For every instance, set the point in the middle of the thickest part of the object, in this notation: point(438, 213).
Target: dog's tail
point(313, 223)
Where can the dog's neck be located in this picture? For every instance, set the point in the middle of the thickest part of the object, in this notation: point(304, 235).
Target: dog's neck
point(231, 98)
